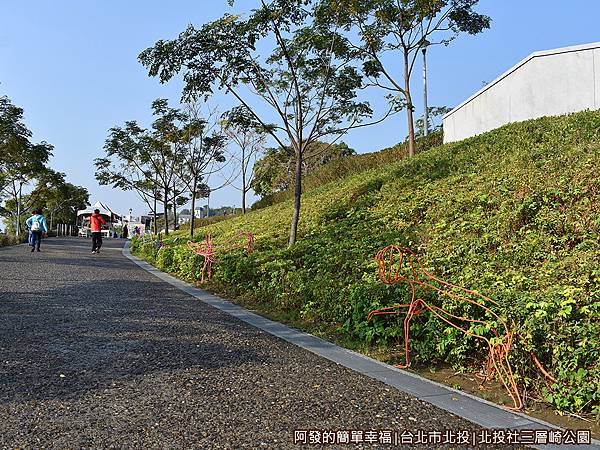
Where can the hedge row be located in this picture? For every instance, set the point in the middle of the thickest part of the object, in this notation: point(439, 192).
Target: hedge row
point(9, 239)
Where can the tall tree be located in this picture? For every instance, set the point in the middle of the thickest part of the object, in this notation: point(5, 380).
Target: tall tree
point(123, 168)
point(203, 147)
point(164, 154)
point(21, 161)
point(17, 207)
point(307, 83)
point(60, 199)
point(249, 137)
point(376, 28)
point(147, 161)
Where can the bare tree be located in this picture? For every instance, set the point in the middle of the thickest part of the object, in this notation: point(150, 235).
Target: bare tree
point(249, 137)
point(203, 152)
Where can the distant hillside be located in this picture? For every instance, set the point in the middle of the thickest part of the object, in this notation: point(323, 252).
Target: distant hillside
point(513, 214)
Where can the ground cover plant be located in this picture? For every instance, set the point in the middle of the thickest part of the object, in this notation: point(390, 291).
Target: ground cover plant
point(9, 239)
point(513, 214)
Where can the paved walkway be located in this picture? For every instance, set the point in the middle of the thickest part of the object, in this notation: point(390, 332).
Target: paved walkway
point(96, 352)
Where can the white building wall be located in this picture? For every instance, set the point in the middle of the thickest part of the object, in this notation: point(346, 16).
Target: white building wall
point(547, 83)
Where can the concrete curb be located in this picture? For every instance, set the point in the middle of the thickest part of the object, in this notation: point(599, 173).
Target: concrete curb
point(469, 407)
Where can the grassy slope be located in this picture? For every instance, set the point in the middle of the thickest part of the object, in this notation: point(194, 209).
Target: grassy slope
point(513, 213)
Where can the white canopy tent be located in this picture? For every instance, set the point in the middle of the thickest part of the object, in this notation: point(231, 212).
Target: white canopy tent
point(106, 212)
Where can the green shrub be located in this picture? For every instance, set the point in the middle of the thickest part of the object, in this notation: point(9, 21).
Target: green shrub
point(187, 264)
point(9, 239)
point(164, 258)
point(135, 244)
point(148, 250)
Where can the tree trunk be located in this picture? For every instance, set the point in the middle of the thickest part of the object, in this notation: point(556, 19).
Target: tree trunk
point(154, 224)
point(18, 224)
point(244, 189)
point(174, 207)
point(409, 108)
point(425, 109)
point(175, 215)
point(208, 205)
point(166, 211)
point(195, 186)
point(297, 197)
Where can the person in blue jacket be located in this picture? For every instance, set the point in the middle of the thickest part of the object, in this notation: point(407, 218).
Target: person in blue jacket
point(37, 227)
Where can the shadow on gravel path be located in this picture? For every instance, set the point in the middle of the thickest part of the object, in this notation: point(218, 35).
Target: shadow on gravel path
point(81, 338)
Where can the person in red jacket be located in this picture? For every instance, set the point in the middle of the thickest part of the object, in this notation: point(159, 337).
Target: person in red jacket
point(96, 222)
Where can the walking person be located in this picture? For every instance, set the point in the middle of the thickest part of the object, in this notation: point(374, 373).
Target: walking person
point(125, 231)
point(96, 222)
point(37, 227)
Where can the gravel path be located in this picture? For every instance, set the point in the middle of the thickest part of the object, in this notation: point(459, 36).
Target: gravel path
point(97, 353)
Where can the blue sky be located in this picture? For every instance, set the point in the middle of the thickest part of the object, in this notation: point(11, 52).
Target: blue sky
point(73, 67)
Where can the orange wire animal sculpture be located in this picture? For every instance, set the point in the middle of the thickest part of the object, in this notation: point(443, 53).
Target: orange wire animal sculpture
point(208, 250)
point(390, 262)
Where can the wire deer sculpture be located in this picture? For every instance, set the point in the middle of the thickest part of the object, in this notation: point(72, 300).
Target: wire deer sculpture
point(390, 263)
point(209, 250)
